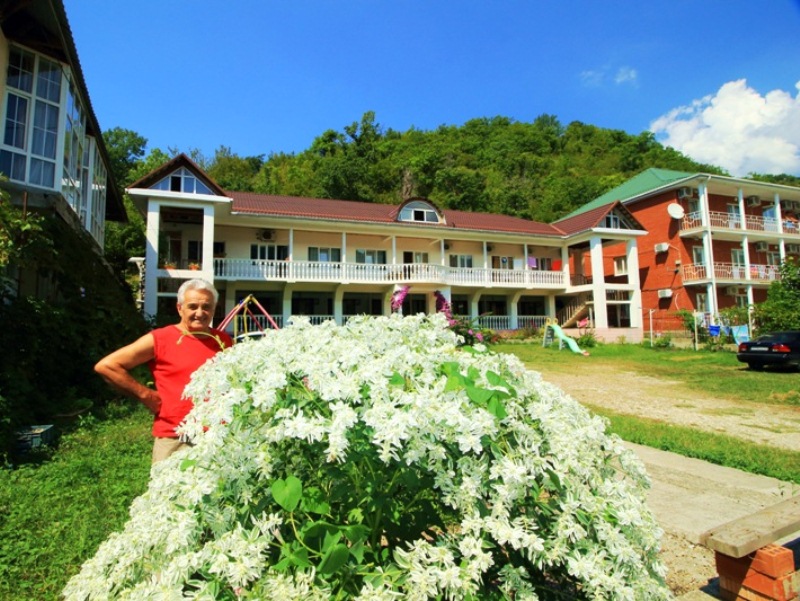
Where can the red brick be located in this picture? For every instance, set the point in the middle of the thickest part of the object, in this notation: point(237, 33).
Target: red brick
point(773, 560)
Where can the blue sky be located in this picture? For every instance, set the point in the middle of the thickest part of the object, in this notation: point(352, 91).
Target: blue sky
point(716, 79)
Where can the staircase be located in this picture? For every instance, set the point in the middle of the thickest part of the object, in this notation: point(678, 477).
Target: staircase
point(573, 312)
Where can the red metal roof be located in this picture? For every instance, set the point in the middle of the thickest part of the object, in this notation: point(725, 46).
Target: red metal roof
point(348, 210)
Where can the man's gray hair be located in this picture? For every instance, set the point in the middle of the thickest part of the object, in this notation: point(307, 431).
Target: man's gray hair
point(197, 284)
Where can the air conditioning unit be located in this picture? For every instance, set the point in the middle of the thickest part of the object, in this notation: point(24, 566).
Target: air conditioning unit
point(762, 247)
point(753, 201)
point(685, 192)
point(793, 248)
point(734, 290)
point(665, 293)
point(661, 247)
point(265, 235)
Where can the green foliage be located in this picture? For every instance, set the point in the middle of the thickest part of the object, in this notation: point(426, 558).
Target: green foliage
point(662, 342)
point(57, 512)
point(780, 310)
point(125, 150)
point(540, 170)
point(55, 340)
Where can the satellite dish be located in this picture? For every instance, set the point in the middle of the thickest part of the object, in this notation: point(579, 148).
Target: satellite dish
point(675, 210)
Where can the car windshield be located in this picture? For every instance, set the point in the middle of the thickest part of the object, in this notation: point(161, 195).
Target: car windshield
point(780, 337)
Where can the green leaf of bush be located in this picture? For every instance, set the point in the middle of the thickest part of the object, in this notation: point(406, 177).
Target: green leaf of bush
point(287, 493)
point(334, 558)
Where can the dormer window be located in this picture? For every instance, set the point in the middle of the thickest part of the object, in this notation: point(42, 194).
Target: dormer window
point(617, 221)
point(420, 211)
point(184, 181)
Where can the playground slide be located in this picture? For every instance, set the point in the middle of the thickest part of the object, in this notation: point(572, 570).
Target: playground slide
point(569, 341)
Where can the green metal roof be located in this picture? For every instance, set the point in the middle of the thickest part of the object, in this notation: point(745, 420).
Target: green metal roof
point(650, 179)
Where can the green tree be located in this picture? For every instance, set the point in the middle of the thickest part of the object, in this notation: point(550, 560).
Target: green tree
point(125, 149)
point(779, 311)
point(233, 172)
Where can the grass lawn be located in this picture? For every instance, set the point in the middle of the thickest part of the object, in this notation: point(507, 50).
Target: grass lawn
point(715, 373)
point(56, 511)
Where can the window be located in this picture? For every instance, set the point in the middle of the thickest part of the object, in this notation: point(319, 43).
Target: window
point(621, 266)
point(698, 255)
point(773, 258)
point(324, 255)
point(461, 261)
point(415, 257)
point(502, 262)
point(30, 134)
point(219, 249)
point(371, 256)
point(694, 206)
point(734, 218)
point(419, 211)
point(194, 251)
point(184, 181)
point(617, 222)
point(264, 252)
point(701, 302)
point(540, 263)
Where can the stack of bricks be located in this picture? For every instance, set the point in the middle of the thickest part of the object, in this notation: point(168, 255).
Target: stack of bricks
point(766, 575)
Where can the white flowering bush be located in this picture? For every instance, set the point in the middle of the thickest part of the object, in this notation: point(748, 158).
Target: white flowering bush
point(378, 461)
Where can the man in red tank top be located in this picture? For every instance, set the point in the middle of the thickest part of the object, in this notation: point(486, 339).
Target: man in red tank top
point(173, 353)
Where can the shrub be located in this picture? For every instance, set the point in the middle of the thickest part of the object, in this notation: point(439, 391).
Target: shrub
point(377, 461)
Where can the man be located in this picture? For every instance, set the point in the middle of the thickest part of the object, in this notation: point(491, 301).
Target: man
point(173, 353)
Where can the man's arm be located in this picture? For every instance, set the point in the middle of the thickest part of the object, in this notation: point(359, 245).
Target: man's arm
point(115, 369)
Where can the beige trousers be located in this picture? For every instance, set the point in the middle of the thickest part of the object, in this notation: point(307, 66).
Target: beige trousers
point(164, 447)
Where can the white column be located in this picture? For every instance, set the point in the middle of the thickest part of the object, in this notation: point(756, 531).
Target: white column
point(208, 243)
point(151, 258)
point(598, 283)
point(513, 309)
point(344, 250)
point(287, 304)
point(338, 302)
point(551, 305)
point(633, 280)
point(742, 216)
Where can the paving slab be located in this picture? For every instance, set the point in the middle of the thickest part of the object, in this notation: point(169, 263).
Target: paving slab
point(689, 496)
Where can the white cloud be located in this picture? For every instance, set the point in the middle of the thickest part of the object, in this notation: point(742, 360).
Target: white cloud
point(595, 78)
point(626, 75)
point(737, 129)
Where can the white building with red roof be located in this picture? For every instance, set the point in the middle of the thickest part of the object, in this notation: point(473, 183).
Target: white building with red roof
point(332, 259)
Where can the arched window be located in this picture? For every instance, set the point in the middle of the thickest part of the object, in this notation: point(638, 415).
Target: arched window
point(420, 211)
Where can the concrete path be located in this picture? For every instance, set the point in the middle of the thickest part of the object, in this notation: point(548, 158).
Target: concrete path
point(689, 496)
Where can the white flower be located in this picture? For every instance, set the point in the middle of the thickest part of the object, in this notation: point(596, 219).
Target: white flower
point(382, 422)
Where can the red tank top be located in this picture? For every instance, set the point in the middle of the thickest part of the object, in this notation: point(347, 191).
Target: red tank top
point(177, 355)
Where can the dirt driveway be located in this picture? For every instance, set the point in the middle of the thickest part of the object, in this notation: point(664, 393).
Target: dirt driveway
point(690, 566)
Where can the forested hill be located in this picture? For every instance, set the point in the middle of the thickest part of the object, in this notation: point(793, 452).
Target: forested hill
point(540, 170)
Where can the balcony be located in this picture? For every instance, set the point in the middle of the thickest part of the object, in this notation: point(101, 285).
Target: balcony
point(412, 273)
point(759, 274)
point(727, 221)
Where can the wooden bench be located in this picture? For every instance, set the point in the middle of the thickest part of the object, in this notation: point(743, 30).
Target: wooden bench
point(749, 564)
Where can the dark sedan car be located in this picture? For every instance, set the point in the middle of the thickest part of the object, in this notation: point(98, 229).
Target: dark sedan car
point(779, 348)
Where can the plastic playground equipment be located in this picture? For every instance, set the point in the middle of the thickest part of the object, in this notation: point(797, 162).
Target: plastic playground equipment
point(247, 324)
point(553, 330)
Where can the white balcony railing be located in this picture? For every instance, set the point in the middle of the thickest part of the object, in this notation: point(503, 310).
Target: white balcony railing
point(729, 271)
point(754, 223)
point(316, 271)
